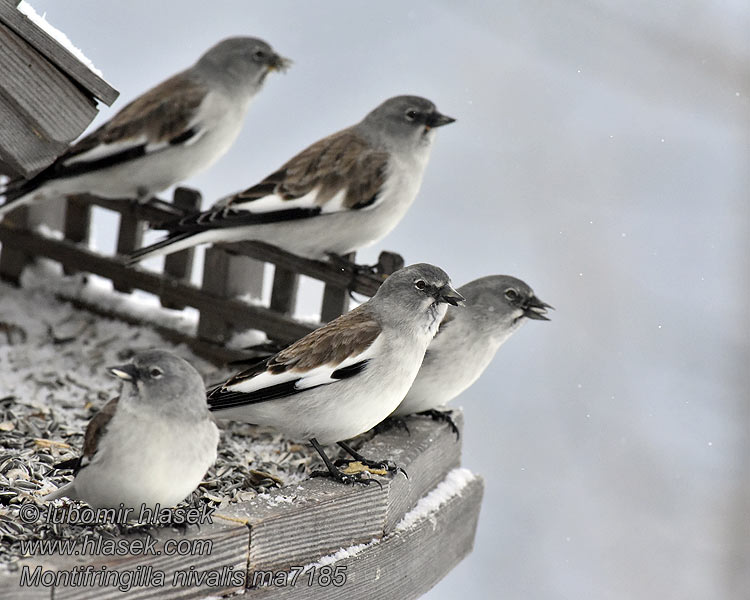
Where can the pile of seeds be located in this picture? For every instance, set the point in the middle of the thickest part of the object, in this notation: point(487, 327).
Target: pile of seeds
point(53, 379)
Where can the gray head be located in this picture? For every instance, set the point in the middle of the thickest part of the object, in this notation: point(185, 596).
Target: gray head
point(165, 381)
point(502, 301)
point(405, 118)
point(416, 291)
point(241, 61)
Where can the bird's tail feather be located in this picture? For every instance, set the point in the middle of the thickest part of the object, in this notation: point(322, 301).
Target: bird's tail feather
point(172, 243)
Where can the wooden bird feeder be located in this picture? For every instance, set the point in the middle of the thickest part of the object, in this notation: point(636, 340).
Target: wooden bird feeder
point(47, 99)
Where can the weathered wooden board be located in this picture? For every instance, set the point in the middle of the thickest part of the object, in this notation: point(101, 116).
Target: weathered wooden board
point(228, 550)
point(56, 54)
point(41, 110)
point(179, 265)
point(298, 524)
point(72, 255)
point(13, 260)
point(319, 516)
point(402, 566)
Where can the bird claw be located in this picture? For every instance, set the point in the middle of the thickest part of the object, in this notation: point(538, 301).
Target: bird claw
point(348, 478)
point(375, 467)
point(444, 416)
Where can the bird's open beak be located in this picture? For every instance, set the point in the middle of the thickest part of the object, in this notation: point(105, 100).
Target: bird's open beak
point(279, 63)
point(127, 372)
point(438, 120)
point(536, 309)
point(449, 295)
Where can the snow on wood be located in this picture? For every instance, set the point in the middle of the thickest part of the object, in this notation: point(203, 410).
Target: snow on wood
point(41, 22)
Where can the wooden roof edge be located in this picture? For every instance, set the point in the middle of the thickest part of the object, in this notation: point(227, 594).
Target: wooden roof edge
point(56, 53)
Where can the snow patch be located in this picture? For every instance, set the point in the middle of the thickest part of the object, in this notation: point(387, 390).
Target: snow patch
point(451, 486)
point(46, 275)
point(57, 35)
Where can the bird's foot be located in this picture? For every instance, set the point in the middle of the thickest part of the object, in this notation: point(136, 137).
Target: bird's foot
point(363, 476)
point(376, 467)
point(391, 423)
point(444, 416)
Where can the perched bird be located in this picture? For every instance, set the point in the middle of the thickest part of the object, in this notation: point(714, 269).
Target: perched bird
point(346, 377)
point(467, 340)
point(344, 192)
point(152, 445)
point(171, 132)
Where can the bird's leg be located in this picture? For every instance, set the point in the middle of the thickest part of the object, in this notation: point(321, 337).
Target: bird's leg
point(444, 416)
point(385, 465)
point(391, 423)
point(336, 473)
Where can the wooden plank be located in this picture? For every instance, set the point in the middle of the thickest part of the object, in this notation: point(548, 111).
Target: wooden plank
point(335, 298)
point(296, 524)
point(57, 54)
point(402, 566)
point(13, 260)
point(22, 154)
point(213, 326)
point(336, 275)
point(430, 449)
point(129, 238)
point(243, 314)
point(11, 590)
point(362, 283)
point(228, 543)
point(180, 264)
point(48, 213)
point(49, 101)
point(284, 291)
point(77, 227)
point(154, 212)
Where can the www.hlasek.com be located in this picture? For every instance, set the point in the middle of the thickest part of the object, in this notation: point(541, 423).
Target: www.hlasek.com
point(146, 575)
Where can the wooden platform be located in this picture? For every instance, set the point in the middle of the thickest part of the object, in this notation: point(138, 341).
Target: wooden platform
point(317, 539)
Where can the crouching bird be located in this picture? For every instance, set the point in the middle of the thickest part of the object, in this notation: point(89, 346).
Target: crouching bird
point(150, 446)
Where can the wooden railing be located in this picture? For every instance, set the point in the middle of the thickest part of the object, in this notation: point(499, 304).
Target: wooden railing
point(230, 270)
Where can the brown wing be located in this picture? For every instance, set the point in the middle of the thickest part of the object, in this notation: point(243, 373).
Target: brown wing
point(343, 160)
point(160, 114)
point(94, 431)
point(349, 335)
point(96, 428)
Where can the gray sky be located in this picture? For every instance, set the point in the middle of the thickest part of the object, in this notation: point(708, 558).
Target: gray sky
point(600, 154)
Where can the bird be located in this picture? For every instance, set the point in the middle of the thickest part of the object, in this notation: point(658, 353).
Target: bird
point(467, 340)
point(150, 446)
point(169, 133)
point(345, 377)
point(342, 193)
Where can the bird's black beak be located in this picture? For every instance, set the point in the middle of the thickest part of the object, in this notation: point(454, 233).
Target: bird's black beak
point(127, 372)
point(437, 120)
point(279, 63)
point(449, 295)
point(535, 309)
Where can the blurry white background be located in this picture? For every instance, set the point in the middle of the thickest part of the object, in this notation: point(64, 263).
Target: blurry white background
point(602, 154)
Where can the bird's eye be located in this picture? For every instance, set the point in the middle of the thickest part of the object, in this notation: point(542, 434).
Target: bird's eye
point(259, 55)
point(420, 284)
point(511, 294)
point(411, 114)
point(155, 372)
